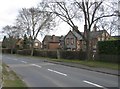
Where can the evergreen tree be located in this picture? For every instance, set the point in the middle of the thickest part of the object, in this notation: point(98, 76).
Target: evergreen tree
point(4, 42)
point(25, 42)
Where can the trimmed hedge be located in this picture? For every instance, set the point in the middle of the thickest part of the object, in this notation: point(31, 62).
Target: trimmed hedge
point(45, 53)
point(62, 54)
point(54, 54)
point(72, 55)
point(24, 52)
point(109, 47)
point(6, 50)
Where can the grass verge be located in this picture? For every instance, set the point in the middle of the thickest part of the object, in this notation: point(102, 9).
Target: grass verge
point(91, 63)
point(10, 79)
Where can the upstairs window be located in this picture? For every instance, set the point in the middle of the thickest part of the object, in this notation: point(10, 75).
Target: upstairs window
point(72, 41)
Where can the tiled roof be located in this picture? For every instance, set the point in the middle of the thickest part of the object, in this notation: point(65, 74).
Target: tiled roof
point(79, 37)
point(95, 34)
point(49, 38)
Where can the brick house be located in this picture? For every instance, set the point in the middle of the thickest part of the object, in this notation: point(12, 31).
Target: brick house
point(51, 42)
point(96, 36)
point(19, 44)
point(73, 41)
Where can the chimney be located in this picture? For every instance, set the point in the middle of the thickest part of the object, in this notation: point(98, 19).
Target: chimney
point(53, 38)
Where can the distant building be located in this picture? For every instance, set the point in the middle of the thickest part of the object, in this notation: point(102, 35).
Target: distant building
point(51, 42)
point(73, 41)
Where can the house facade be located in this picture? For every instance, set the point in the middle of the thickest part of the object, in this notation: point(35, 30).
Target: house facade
point(96, 36)
point(73, 41)
point(51, 42)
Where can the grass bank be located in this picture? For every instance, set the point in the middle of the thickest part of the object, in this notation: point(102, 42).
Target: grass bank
point(10, 79)
point(91, 63)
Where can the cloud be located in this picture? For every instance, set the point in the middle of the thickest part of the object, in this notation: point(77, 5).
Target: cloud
point(9, 10)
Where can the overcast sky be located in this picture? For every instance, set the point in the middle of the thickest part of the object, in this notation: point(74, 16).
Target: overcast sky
point(9, 10)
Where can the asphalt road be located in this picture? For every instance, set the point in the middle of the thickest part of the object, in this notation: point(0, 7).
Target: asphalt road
point(37, 73)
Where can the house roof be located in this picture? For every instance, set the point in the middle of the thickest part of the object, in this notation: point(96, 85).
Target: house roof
point(78, 36)
point(49, 38)
point(95, 34)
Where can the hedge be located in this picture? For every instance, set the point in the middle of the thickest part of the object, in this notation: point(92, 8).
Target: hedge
point(6, 50)
point(24, 52)
point(109, 47)
point(45, 53)
point(54, 54)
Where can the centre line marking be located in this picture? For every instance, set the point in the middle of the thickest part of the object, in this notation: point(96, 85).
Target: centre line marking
point(57, 72)
point(94, 84)
point(24, 61)
point(36, 65)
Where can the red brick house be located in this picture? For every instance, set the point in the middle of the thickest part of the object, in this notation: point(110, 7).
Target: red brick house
point(51, 42)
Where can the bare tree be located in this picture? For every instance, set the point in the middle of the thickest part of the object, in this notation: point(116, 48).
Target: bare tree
point(85, 10)
point(11, 31)
point(33, 21)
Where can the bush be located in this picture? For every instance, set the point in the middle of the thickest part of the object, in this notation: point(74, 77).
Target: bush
point(6, 50)
point(109, 47)
point(72, 55)
point(45, 53)
point(54, 54)
point(24, 52)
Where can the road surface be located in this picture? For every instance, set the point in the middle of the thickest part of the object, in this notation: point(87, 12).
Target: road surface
point(37, 73)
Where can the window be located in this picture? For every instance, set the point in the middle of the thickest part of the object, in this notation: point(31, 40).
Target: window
point(67, 41)
point(72, 41)
point(36, 44)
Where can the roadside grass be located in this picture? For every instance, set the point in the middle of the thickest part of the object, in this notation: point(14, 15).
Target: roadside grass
point(90, 63)
point(10, 79)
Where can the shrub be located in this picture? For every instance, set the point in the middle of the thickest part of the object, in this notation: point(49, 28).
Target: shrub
point(109, 47)
point(6, 50)
point(24, 52)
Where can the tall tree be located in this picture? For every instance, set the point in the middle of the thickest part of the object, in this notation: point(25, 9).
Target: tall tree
point(93, 11)
point(34, 21)
point(85, 10)
point(4, 42)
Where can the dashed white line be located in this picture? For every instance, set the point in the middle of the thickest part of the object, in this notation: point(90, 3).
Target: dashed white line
point(24, 61)
point(36, 65)
point(57, 72)
point(94, 84)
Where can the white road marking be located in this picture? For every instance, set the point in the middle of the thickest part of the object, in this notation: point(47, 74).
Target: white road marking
point(94, 84)
point(24, 61)
point(36, 65)
point(57, 72)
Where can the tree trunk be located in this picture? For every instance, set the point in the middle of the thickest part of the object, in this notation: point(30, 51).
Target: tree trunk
point(88, 50)
point(32, 48)
point(32, 51)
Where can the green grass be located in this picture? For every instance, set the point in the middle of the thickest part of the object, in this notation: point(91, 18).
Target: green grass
point(11, 79)
point(91, 63)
